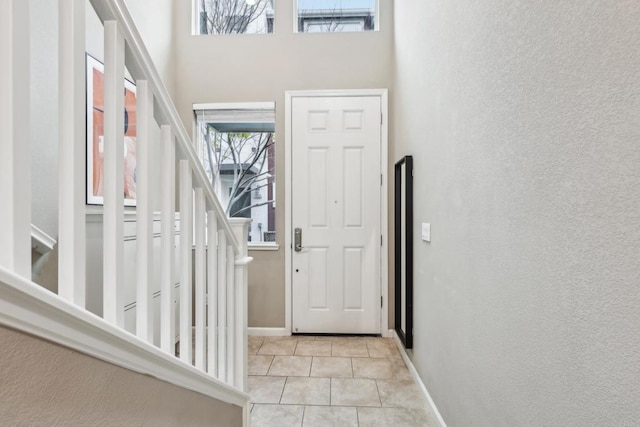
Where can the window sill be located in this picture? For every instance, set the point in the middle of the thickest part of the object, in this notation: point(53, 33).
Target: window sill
point(263, 247)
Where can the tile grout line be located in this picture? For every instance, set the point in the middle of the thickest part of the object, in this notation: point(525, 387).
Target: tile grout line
point(295, 348)
point(378, 390)
point(270, 364)
point(282, 392)
point(330, 391)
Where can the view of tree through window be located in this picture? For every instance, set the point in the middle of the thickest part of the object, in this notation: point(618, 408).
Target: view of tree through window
point(237, 148)
point(323, 16)
point(235, 16)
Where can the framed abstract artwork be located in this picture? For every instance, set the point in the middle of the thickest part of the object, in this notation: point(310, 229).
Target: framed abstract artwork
point(95, 135)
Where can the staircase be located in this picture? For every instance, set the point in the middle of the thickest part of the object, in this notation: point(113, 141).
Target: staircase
point(211, 259)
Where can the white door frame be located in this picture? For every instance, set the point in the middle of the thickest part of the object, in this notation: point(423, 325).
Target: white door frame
point(384, 224)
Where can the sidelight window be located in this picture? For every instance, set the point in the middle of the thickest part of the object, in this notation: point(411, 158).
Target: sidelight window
point(236, 144)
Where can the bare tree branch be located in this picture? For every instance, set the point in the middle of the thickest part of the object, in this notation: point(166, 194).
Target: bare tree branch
point(245, 187)
point(253, 206)
point(230, 16)
point(257, 156)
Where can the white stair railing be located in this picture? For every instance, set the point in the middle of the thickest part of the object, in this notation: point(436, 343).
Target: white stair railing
point(221, 260)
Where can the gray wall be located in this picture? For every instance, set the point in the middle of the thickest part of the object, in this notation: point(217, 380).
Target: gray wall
point(45, 385)
point(524, 122)
point(245, 68)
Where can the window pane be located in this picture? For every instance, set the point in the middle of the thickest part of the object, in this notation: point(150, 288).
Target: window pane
point(240, 208)
point(237, 149)
point(322, 16)
point(234, 16)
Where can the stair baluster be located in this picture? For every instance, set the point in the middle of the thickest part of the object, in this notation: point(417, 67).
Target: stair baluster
point(168, 195)
point(200, 286)
point(113, 235)
point(212, 292)
point(144, 211)
point(186, 244)
point(222, 306)
point(72, 148)
point(230, 306)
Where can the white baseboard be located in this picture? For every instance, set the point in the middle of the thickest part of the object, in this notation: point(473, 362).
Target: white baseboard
point(269, 332)
point(418, 380)
point(389, 333)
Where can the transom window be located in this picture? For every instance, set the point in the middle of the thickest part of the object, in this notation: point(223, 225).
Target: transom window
point(233, 16)
point(325, 16)
point(236, 144)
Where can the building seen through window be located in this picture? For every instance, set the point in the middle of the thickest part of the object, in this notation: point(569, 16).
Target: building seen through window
point(322, 16)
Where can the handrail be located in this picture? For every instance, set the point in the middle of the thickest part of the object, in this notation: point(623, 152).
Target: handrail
point(41, 241)
point(139, 63)
point(30, 308)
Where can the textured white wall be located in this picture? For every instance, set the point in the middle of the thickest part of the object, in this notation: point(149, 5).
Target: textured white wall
point(259, 68)
point(524, 121)
point(47, 385)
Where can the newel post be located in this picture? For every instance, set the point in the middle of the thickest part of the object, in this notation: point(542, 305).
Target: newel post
point(240, 228)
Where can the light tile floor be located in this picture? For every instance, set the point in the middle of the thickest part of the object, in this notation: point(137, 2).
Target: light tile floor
point(309, 381)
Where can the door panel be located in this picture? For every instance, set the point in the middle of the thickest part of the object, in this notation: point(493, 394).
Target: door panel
point(318, 283)
point(353, 171)
point(318, 186)
point(336, 204)
point(353, 278)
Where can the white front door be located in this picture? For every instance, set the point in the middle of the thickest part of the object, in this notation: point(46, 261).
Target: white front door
point(336, 206)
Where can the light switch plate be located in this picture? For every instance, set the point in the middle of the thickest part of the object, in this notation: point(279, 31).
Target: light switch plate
point(426, 232)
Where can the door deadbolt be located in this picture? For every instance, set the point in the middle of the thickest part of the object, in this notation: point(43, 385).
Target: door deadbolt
point(297, 239)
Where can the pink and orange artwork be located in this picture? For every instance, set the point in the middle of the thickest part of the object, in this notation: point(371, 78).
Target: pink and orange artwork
point(95, 136)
